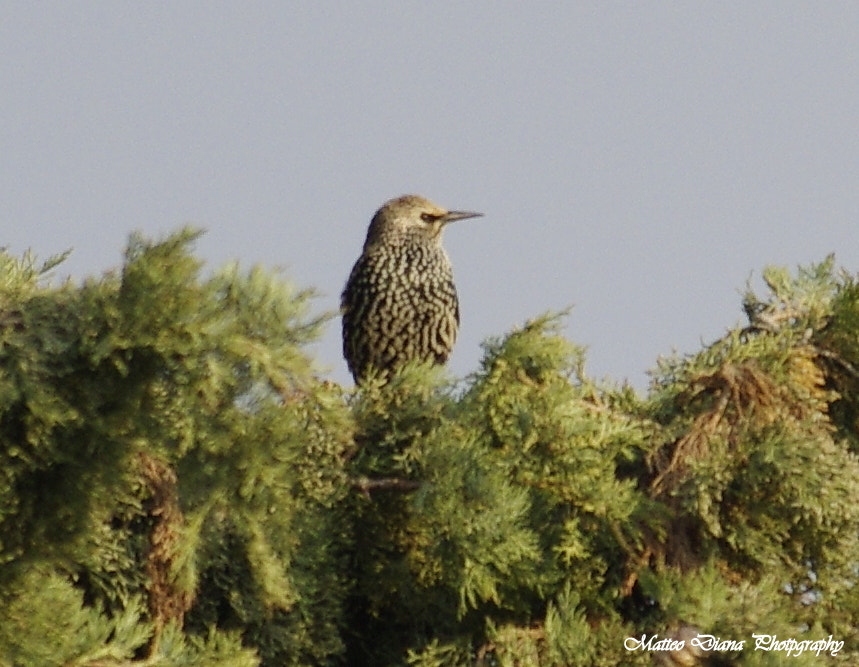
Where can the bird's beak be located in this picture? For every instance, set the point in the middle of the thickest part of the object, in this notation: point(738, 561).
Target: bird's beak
point(452, 216)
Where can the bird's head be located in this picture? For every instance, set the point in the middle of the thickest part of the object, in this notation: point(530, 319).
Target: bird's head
point(411, 217)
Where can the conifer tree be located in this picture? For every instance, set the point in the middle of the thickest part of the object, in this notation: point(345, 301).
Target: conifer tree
point(178, 486)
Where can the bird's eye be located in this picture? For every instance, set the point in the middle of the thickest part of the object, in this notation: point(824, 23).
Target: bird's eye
point(429, 217)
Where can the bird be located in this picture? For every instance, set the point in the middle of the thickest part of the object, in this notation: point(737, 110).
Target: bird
point(399, 304)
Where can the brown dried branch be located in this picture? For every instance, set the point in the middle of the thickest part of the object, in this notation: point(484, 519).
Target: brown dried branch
point(167, 602)
point(737, 391)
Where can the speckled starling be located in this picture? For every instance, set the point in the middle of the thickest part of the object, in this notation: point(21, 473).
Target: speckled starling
point(400, 304)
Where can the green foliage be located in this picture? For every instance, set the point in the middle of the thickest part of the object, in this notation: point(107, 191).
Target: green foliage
point(563, 440)
point(44, 621)
point(439, 534)
point(178, 487)
point(157, 429)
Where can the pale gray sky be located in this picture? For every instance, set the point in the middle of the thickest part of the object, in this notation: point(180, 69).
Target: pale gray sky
point(636, 160)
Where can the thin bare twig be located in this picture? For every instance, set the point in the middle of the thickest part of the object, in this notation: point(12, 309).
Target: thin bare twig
point(365, 485)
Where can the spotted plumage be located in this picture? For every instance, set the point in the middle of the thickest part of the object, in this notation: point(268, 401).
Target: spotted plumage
point(400, 303)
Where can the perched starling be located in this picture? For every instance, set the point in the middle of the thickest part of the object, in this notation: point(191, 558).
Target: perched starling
point(400, 303)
